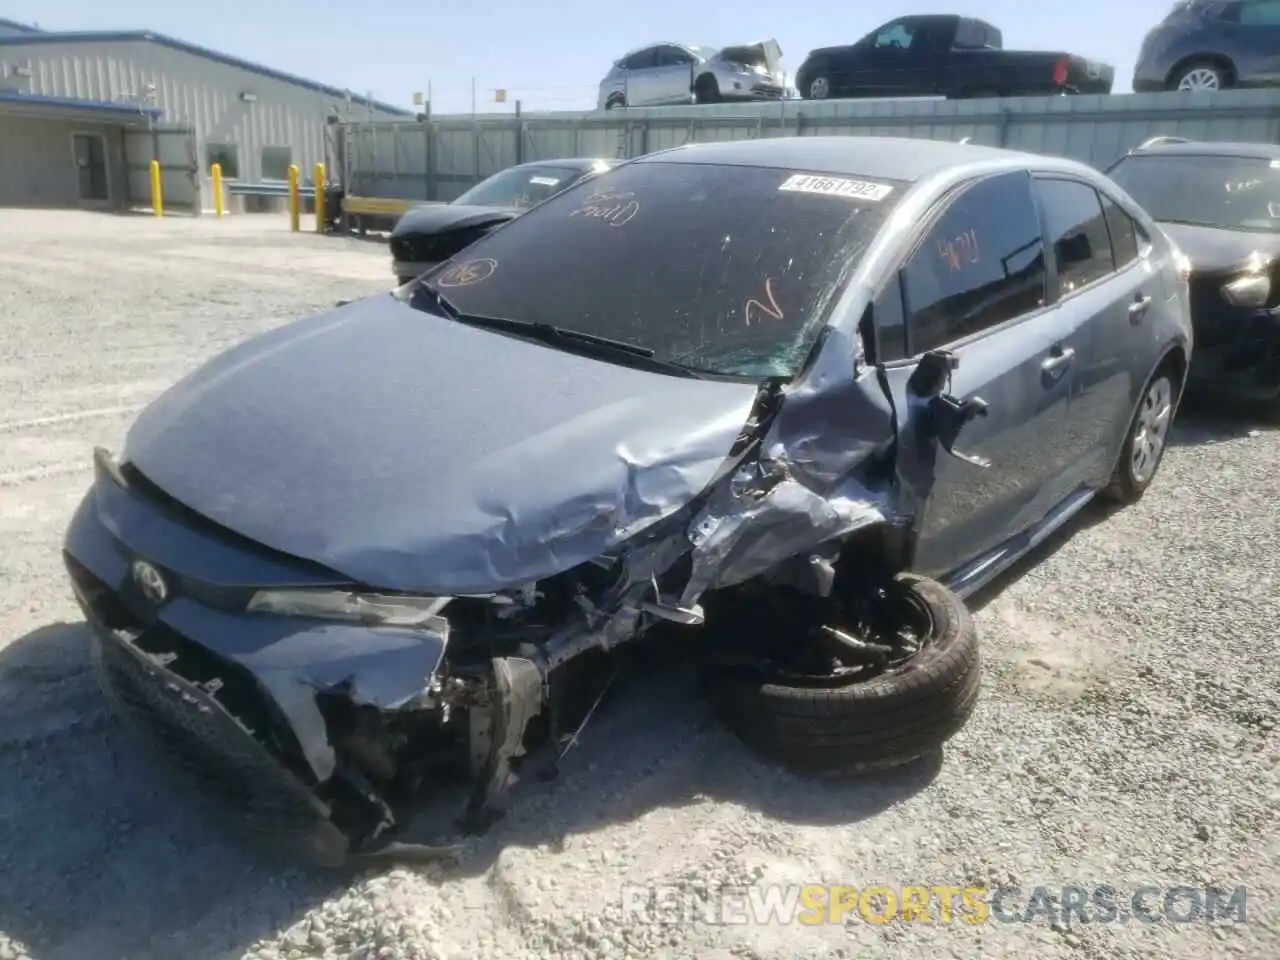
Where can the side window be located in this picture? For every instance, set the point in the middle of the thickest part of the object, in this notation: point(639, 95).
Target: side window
point(1073, 220)
point(979, 265)
point(641, 59)
point(1124, 233)
point(1261, 12)
point(895, 36)
point(673, 57)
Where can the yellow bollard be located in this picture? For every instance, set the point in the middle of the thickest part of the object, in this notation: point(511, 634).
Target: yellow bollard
point(157, 195)
point(319, 178)
point(216, 173)
point(295, 202)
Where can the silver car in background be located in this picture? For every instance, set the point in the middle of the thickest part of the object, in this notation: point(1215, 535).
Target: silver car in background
point(671, 73)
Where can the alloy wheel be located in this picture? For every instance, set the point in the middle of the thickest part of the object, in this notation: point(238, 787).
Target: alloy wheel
point(1151, 432)
point(820, 89)
point(1201, 78)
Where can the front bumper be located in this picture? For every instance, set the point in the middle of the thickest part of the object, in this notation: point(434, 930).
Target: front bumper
point(221, 760)
point(1237, 352)
point(231, 698)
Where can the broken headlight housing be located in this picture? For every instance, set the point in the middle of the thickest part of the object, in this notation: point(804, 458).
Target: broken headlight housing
point(1251, 290)
point(370, 609)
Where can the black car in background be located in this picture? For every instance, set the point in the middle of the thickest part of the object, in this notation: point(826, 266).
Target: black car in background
point(432, 233)
point(950, 56)
point(1220, 203)
point(1211, 45)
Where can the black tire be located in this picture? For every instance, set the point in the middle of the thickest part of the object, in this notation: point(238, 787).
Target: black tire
point(1226, 80)
point(831, 727)
point(819, 87)
point(616, 100)
point(1127, 483)
point(706, 90)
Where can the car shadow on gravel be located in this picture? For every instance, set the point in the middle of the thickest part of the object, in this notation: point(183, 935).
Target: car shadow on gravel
point(653, 745)
point(1207, 420)
point(99, 857)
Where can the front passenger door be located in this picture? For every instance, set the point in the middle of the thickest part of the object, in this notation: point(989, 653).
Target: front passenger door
point(976, 286)
point(641, 78)
point(673, 75)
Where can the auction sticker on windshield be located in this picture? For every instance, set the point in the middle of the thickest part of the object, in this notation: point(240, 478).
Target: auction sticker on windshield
point(836, 187)
point(544, 181)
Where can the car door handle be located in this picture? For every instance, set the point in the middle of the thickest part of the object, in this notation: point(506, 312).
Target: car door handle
point(1138, 309)
point(1058, 360)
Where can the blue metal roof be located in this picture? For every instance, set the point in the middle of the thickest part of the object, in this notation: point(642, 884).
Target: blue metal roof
point(121, 36)
point(71, 103)
point(24, 28)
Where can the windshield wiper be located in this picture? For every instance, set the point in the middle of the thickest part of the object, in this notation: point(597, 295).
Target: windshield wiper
point(552, 335)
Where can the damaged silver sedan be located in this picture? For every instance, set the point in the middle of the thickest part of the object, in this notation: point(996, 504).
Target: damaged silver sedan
point(788, 401)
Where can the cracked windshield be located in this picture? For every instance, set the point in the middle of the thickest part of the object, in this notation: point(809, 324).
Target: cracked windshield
point(727, 270)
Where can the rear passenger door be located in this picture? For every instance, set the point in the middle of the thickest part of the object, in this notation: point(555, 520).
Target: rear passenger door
point(975, 286)
point(1100, 289)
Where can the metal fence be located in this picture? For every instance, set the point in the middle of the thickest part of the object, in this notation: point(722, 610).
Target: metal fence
point(438, 159)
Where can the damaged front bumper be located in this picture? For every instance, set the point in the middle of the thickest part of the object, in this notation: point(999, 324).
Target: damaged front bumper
point(1237, 349)
point(288, 719)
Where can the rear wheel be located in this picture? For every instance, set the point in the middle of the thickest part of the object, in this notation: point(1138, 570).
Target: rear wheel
point(862, 710)
point(1148, 436)
point(1201, 75)
point(819, 88)
point(616, 100)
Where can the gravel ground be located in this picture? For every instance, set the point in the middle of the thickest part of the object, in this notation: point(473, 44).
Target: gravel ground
point(1127, 735)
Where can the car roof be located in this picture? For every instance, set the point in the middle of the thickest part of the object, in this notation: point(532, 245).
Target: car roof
point(887, 158)
point(1210, 148)
point(573, 162)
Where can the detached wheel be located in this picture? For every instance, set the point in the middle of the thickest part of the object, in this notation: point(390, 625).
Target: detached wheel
point(851, 720)
point(1146, 441)
point(1202, 75)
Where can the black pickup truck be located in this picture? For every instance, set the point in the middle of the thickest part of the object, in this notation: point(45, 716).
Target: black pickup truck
point(950, 56)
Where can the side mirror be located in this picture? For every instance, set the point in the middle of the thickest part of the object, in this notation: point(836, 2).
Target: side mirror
point(930, 376)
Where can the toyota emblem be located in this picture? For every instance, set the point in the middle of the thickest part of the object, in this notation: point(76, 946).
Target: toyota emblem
point(150, 582)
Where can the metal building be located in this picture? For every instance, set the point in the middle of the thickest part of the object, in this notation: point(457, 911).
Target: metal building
point(153, 98)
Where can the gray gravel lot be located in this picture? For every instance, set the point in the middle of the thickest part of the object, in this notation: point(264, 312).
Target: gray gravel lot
point(1127, 735)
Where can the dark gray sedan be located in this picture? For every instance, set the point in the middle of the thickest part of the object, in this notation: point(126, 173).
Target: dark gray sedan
point(791, 398)
point(1220, 204)
point(433, 232)
point(1211, 45)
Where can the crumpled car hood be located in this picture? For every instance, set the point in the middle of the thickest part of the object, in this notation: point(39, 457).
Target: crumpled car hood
point(1214, 250)
point(765, 52)
point(438, 218)
point(410, 452)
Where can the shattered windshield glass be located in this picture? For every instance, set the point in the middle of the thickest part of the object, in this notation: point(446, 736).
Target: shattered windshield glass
point(1234, 193)
point(727, 269)
point(519, 186)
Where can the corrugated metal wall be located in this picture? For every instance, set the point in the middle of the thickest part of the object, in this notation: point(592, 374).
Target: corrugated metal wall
point(37, 163)
point(193, 91)
point(439, 159)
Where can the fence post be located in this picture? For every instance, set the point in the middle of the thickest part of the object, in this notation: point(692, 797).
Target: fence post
point(215, 173)
point(157, 193)
point(318, 175)
point(295, 201)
